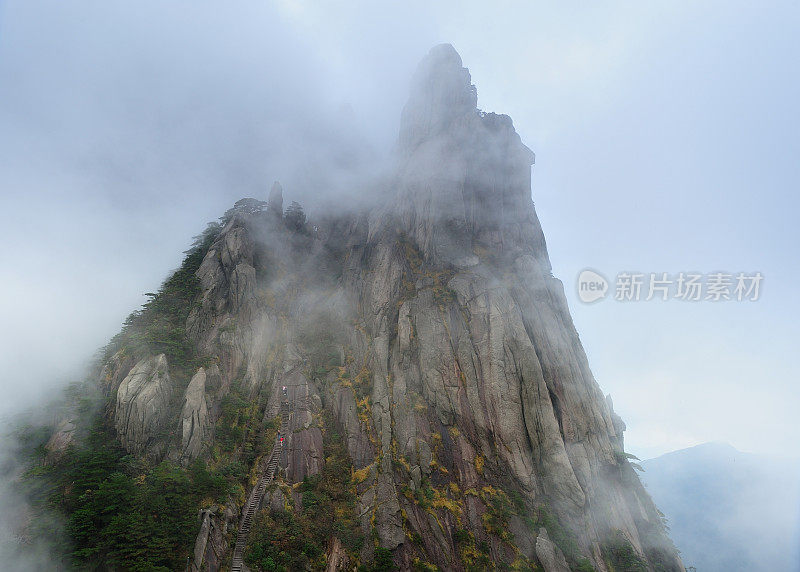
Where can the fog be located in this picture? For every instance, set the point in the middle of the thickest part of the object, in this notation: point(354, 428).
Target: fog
point(665, 137)
point(122, 135)
point(729, 510)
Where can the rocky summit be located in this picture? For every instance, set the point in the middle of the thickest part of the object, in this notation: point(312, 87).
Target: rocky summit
point(395, 388)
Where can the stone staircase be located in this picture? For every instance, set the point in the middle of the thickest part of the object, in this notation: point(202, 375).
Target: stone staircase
point(257, 494)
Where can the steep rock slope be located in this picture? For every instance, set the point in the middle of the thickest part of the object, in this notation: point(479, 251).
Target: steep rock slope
point(435, 375)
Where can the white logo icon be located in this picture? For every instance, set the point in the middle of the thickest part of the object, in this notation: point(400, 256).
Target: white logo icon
point(591, 286)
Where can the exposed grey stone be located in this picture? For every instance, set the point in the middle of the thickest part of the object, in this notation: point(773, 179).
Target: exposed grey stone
point(416, 475)
point(337, 558)
point(549, 555)
point(62, 438)
point(142, 404)
point(202, 540)
point(194, 416)
point(275, 201)
point(441, 92)
point(211, 545)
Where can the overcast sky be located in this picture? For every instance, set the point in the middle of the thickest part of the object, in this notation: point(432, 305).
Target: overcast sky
point(666, 140)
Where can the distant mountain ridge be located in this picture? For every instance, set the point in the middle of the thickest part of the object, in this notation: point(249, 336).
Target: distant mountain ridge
point(728, 510)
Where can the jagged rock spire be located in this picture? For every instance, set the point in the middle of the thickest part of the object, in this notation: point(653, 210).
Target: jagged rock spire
point(469, 371)
point(275, 201)
point(465, 180)
point(441, 92)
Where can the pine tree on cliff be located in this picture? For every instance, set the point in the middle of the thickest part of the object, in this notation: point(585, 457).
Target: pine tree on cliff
point(295, 217)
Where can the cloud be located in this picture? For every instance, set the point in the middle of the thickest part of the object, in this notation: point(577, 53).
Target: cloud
point(665, 139)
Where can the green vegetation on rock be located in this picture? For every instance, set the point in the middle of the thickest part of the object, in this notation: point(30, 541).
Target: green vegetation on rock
point(620, 555)
point(298, 539)
point(120, 512)
point(160, 325)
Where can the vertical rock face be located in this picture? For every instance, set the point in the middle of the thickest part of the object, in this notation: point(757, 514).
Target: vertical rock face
point(227, 280)
point(465, 180)
point(211, 544)
point(194, 416)
point(478, 376)
point(63, 437)
point(114, 371)
point(275, 202)
point(442, 94)
point(304, 454)
point(549, 555)
point(142, 407)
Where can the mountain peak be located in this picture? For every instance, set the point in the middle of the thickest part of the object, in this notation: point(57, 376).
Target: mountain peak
point(422, 360)
point(441, 92)
point(465, 177)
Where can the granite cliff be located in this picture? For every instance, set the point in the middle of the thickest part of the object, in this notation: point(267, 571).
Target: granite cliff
point(427, 351)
